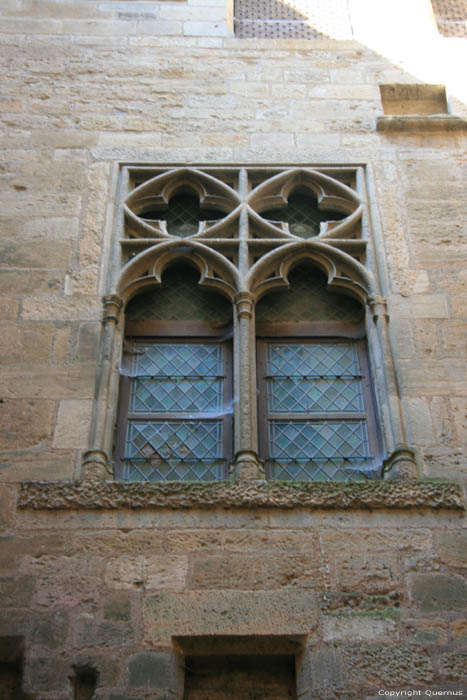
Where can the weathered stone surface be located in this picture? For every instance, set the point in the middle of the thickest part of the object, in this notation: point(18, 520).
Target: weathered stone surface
point(358, 629)
point(370, 664)
point(89, 632)
point(451, 547)
point(228, 613)
point(432, 592)
point(425, 632)
point(241, 495)
point(454, 666)
point(149, 671)
point(148, 571)
point(51, 630)
point(25, 423)
point(73, 424)
point(117, 606)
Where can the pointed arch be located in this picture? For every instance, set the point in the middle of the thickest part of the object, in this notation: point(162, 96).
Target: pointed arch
point(343, 272)
point(145, 270)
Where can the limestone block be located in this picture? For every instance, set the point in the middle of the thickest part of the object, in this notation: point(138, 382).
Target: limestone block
point(436, 592)
point(117, 606)
point(76, 307)
point(35, 465)
point(368, 664)
point(46, 673)
point(64, 581)
point(41, 254)
point(458, 630)
point(7, 513)
point(227, 612)
point(26, 343)
point(454, 666)
point(154, 572)
point(424, 632)
point(451, 547)
point(16, 592)
point(371, 573)
point(206, 29)
point(357, 629)
point(228, 572)
point(419, 421)
point(19, 282)
point(73, 424)
point(89, 632)
point(8, 308)
point(12, 548)
point(136, 542)
point(149, 670)
point(454, 338)
point(50, 630)
point(25, 423)
point(48, 383)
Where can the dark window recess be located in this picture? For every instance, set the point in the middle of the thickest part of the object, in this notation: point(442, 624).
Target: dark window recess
point(302, 214)
point(84, 682)
point(240, 677)
point(11, 668)
point(183, 215)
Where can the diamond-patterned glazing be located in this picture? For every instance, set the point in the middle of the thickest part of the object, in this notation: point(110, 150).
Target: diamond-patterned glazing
point(173, 450)
point(302, 215)
point(313, 378)
point(307, 300)
point(178, 360)
point(318, 440)
point(180, 299)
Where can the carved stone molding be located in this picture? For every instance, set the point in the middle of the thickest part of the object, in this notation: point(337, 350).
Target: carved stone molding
point(242, 494)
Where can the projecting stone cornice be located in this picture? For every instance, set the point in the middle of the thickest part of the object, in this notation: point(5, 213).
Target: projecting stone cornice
point(416, 123)
point(251, 494)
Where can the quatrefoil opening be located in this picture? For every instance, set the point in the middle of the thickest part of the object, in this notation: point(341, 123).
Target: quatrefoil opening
point(181, 203)
point(303, 203)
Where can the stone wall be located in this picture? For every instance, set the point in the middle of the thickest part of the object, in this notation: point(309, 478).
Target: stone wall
point(366, 598)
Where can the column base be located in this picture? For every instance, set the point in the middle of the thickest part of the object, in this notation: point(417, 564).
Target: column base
point(401, 464)
point(247, 467)
point(96, 466)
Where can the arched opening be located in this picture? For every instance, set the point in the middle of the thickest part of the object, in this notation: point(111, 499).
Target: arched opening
point(316, 410)
point(175, 420)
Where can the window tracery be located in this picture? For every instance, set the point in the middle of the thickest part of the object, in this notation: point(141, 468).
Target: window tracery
point(241, 254)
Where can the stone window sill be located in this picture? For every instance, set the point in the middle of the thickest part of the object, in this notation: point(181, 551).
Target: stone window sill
point(101, 495)
point(415, 122)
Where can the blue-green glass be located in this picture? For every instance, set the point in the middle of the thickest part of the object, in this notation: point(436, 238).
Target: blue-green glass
point(318, 378)
point(175, 378)
point(318, 440)
point(173, 450)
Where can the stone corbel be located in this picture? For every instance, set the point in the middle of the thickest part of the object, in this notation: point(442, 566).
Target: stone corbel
point(401, 464)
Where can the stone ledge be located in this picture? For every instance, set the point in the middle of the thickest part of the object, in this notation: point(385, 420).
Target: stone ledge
point(415, 122)
point(247, 494)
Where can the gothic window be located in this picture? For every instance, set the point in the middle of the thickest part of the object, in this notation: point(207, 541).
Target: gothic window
point(316, 414)
point(175, 397)
point(246, 324)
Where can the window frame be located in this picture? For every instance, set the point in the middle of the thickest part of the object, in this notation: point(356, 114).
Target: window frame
point(302, 332)
point(182, 332)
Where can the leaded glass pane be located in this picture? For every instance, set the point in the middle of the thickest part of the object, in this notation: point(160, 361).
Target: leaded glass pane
point(177, 378)
point(180, 299)
point(322, 440)
point(302, 214)
point(318, 378)
point(319, 451)
point(307, 300)
point(173, 450)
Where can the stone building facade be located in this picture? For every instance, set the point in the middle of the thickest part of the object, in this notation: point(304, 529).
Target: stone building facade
point(270, 576)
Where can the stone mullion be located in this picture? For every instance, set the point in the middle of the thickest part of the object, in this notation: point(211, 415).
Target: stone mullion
point(246, 464)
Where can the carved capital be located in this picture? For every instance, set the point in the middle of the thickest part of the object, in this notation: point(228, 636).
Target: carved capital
point(378, 307)
point(96, 466)
point(245, 302)
point(247, 466)
point(113, 304)
point(401, 464)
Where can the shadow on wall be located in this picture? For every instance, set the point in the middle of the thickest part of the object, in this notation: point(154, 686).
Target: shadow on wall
point(292, 19)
